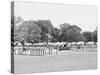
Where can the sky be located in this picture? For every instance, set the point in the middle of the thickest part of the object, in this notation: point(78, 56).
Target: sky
point(83, 16)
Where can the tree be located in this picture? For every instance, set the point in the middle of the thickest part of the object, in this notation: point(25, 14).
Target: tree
point(70, 33)
point(15, 21)
point(55, 35)
point(29, 31)
point(64, 28)
point(46, 29)
point(95, 35)
point(88, 36)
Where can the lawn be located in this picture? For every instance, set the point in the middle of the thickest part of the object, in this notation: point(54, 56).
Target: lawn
point(64, 61)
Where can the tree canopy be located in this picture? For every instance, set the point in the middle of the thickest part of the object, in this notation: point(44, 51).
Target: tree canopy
point(43, 31)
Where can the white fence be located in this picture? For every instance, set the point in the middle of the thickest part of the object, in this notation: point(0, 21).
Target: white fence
point(42, 51)
point(35, 51)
